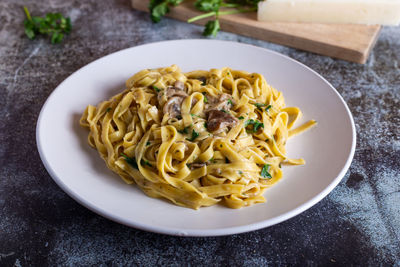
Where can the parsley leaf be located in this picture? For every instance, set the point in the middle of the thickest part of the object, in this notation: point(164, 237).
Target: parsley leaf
point(145, 162)
point(54, 25)
point(156, 88)
point(185, 130)
point(208, 5)
point(265, 171)
point(255, 123)
point(259, 105)
point(130, 161)
point(212, 28)
point(230, 102)
point(267, 108)
point(194, 136)
point(159, 8)
point(108, 109)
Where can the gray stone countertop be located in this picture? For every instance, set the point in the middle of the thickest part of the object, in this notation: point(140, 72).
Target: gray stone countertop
point(358, 223)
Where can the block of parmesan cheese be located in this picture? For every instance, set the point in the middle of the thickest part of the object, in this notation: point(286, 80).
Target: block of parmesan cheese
point(386, 12)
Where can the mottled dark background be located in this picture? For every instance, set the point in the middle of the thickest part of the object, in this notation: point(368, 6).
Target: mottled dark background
point(357, 224)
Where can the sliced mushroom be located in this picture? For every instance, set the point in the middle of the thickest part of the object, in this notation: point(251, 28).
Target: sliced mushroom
point(222, 102)
point(173, 107)
point(219, 120)
point(196, 165)
point(179, 85)
point(172, 91)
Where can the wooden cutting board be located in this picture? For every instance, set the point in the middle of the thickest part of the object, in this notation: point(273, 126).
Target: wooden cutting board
point(350, 42)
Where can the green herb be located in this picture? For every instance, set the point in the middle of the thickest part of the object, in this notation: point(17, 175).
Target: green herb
point(145, 162)
point(130, 161)
point(241, 118)
point(230, 102)
point(148, 143)
point(205, 125)
point(280, 165)
point(240, 172)
point(212, 28)
point(212, 9)
point(156, 88)
point(256, 125)
point(53, 24)
point(267, 108)
point(185, 130)
point(259, 105)
point(205, 99)
point(266, 140)
point(223, 110)
point(265, 171)
point(158, 8)
point(194, 115)
point(194, 136)
point(108, 109)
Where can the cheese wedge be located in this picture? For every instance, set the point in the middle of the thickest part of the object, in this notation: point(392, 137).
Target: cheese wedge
point(386, 12)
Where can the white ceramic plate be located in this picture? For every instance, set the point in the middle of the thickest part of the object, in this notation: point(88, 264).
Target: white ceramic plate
point(81, 173)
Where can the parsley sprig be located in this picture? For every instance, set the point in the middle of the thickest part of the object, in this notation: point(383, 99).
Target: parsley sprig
point(212, 8)
point(53, 24)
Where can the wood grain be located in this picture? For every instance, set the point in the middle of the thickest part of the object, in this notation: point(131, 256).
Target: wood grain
point(350, 42)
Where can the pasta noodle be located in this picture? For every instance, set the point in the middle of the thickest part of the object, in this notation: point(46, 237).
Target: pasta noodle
point(196, 138)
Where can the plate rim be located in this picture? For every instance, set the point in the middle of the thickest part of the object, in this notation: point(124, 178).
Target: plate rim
point(198, 232)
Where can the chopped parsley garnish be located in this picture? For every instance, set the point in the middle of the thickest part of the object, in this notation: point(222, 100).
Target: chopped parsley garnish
point(130, 161)
point(194, 115)
point(267, 108)
point(145, 162)
point(156, 88)
point(223, 110)
point(256, 125)
point(205, 125)
point(108, 109)
point(259, 105)
point(241, 118)
point(265, 171)
point(240, 172)
point(230, 102)
point(148, 143)
point(205, 97)
point(185, 130)
point(194, 136)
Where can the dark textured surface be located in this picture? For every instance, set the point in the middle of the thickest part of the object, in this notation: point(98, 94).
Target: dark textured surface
point(358, 223)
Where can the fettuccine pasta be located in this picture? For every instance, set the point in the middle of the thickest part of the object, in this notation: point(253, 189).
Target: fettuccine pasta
point(196, 138)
